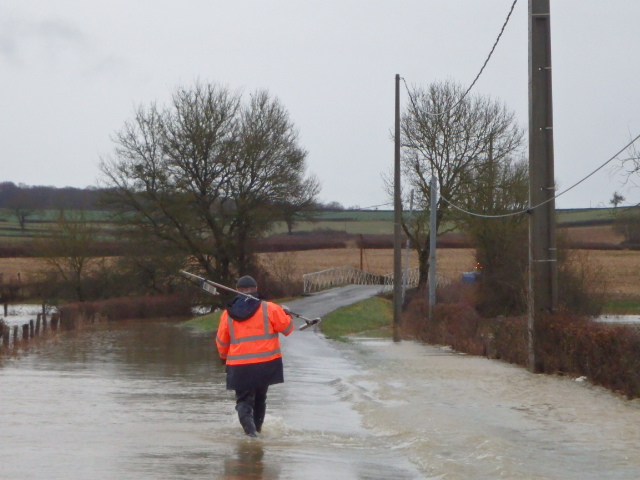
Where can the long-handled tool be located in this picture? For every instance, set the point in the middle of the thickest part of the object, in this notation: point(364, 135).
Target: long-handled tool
point(211, 288)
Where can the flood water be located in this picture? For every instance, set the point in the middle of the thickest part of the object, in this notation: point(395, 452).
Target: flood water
point(147, 400)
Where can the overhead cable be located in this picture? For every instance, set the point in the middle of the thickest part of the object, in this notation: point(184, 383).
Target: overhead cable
point(528, 210)
point(495, 44)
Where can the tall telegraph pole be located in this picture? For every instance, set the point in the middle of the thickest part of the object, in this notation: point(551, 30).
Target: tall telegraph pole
point(543, 281)
point(397, 220)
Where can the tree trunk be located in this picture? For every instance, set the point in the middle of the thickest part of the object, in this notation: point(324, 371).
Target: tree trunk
point(423, 264)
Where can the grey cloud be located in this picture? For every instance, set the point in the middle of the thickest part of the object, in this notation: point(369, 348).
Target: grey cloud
point(7, 47)
point(24, 42)
point(58, 30)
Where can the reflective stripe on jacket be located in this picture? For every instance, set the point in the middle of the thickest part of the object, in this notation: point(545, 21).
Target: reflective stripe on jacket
point(254, 340)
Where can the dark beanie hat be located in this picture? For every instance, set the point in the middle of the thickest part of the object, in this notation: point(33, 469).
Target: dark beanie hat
point(246, 282)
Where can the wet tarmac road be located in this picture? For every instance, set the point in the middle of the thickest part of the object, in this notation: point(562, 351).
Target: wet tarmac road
point(148, 401)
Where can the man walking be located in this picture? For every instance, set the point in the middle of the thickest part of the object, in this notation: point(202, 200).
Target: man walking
point(247, 341)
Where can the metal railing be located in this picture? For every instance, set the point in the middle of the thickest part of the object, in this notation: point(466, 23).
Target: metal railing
point(335, 277)
point(412, 277)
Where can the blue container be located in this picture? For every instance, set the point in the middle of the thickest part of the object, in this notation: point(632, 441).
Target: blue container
point(468, 277)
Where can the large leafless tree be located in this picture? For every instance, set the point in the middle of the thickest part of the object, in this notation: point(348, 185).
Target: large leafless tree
point(459, 140)
point(209, 174)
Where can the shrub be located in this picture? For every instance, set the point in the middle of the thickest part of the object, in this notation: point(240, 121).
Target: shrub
point(125, 308)
point(282, 267)
point(609, 355)
point(508, 339)
point(627, 223)
point(455, 325)
point(581, 285)
point(503, 256)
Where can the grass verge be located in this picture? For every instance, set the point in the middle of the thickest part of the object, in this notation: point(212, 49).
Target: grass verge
point(204, 323)
point(623, 306)
point(372, 316)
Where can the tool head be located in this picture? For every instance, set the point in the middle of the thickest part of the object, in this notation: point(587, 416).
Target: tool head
point(310, 323)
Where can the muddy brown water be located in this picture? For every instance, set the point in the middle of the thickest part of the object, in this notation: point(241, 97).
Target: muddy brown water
point(147, 400)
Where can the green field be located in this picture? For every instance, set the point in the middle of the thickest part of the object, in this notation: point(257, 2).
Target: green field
point(378, 222)
point(41, 222)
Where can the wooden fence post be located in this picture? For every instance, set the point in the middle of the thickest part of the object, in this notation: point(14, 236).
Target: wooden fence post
point(15, 334)
point(38, 320)
point(5, 337)
point(25, 332)
point(32, 328)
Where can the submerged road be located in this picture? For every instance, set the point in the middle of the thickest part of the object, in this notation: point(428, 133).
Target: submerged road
point(148, 401)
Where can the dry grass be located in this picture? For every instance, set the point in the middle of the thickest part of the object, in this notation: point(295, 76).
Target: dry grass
point(451, 262)
point(594, 234)
point(621, 268)
point(26, 267)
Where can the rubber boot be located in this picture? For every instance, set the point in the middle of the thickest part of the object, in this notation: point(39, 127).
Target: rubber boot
point(249, 425)
point(259, 411)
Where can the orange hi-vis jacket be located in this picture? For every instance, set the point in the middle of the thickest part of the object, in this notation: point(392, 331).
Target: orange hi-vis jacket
point(254, 340)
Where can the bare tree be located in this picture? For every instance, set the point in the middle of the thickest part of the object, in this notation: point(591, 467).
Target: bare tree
point(630, 164)
point(23, 206)
point(456, 139)
point(616, 200)
point(208, 175)
point(301, 205)
point(67, 249)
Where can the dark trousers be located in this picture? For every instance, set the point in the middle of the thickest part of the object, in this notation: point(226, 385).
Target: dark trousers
point(251, 406)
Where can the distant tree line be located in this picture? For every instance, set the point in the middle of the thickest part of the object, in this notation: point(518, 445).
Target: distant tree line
point(48, 197)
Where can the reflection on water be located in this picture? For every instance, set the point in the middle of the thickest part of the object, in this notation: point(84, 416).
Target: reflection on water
point(19, 314)
point(148, 400)
point(247, 463)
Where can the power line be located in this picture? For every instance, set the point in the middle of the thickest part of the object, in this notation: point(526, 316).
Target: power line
point(480, 215)
point(495, 44)
point(375, 206)
point(528, 210)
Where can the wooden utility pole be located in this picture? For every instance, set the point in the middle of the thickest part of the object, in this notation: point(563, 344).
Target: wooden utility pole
point(543, 273)
point(397, 220)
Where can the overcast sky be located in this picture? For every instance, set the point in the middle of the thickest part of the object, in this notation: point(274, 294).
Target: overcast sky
point(72, 72)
